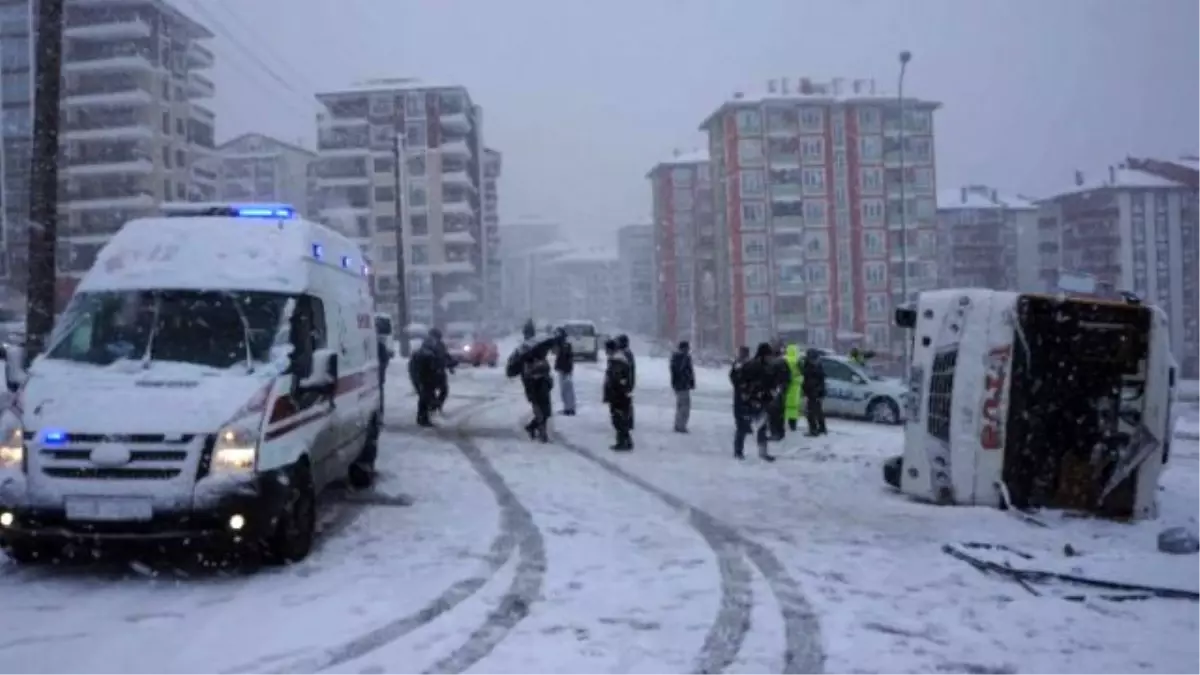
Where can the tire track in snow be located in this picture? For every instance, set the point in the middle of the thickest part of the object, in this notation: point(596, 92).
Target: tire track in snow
point(803, 652)
point(499, 553)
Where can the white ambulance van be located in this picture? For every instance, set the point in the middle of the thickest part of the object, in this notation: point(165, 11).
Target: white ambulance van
point(1036, 401)
point(214, 371)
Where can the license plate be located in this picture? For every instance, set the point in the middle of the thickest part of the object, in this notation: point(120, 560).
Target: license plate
point(109, 508)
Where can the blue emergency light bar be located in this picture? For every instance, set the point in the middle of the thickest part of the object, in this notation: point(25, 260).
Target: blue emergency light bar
point(221, 210)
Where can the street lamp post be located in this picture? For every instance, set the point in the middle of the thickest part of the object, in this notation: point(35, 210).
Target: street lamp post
point(401, 259)
point(905, 57)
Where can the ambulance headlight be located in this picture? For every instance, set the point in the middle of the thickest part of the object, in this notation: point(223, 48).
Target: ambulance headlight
point(12, 442)
point(236, 450)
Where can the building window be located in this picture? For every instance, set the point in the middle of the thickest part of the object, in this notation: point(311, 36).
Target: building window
point(754, 214)
point(383, 105)
point(878, 337)
point(750, 151)
point(839, 159)
point(923, 178)
point(782, 120)
point(868, 120)
point(415, 166)
point(385, 223)
point(758, 309)
point(385, 165)
point(753, 182)
point(414, 136)
point(877, 306)
point(755, 279)
point(815, 213)
point(816, 245)
point(385, 194)
point(417, 196)
point(812, 150)
point(420, 254)
point(820, 337)
point(703, 175)
point(872, 211)
point(870, 148)
point(871, 180)
point(387, 253)
point(414, 105)
point(681, 177)
point(817, 276)
point(812, 120)
point(921, 149)
point(874, 243)
point(749, 122)
point(814, 180)
point(754, 248)
point(818, 307)
point(875, 275)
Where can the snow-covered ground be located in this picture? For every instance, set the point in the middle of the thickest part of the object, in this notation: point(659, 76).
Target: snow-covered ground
point(481, 551)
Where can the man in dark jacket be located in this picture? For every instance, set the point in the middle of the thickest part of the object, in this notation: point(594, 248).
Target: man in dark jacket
point(618, 395)
point(776, 409)
point(755, 385)
point(384, 354)
point(683, 381)
point(627, 352)
point(564, 365)
point(813, 389)
point(537, 379)
point(427, 372)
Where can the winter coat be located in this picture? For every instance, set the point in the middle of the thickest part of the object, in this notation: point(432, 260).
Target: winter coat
point(427, 365)
point(536, 378)
point(792, 403)
point(814, 375)
point(683, 375)
point(618, 380)
point(757, 385)
point(385, 357)
point(628, 354)
point(564, 358)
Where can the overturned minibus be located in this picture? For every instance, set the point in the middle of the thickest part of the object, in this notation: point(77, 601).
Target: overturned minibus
point(1035, 401)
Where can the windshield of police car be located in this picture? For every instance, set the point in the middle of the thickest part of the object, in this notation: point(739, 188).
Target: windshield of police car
point(199, 327)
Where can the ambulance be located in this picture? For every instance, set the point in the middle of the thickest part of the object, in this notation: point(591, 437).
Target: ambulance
point(215, 370)
point(1029, 401)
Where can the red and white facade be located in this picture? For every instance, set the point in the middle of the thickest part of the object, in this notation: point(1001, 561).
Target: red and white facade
point(685, 250)
point(808, 191)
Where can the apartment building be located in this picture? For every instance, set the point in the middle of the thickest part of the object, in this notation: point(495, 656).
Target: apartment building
point(526, 246)
point(580, 284)
point(133, 131)
point(493, 266)
point(635, 253)
point(686, 255)
point(258, 168)
point(986, 239)
point(1131, 229)
point(442, 173)
point(815, 182)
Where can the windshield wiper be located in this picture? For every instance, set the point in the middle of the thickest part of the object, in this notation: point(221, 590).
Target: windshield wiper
point(153, 332)
point(245, 329)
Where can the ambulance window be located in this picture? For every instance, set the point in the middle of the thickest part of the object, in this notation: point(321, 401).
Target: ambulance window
point(308, 323)
point(941, 394)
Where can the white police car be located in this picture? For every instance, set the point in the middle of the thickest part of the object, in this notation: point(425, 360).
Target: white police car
point(853, 391)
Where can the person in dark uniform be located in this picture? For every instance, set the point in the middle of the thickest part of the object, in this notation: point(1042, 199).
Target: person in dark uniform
point(564, 365)
point(627, 352)
point(427, 372)
point(531, 363)
point(618, 394)
point(683, 381)
point(813, 389)
point(755, 385)
point(384, 354)
point(776, 410)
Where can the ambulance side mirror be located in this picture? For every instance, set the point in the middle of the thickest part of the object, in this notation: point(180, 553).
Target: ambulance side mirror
point(324, 372)
point(14, 367)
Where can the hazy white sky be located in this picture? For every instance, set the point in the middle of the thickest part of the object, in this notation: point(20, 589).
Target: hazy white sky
point(583, 97)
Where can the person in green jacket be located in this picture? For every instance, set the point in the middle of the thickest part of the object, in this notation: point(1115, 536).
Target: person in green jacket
point(793, 402)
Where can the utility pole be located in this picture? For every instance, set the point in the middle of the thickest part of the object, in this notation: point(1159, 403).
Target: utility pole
point(43, 182)
point(401, 262)
point(905, 57)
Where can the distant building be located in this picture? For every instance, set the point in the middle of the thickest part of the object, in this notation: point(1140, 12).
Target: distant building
point(811, 197)
point(580, 284)
point(493, 266)
point(685, 249)
point(442, 214)
point(986, 240)
point(635, 251)
point(526, 244)
point(258, 168)
point(1131, 229)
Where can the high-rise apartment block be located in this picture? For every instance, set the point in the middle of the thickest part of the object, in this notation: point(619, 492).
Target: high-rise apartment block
point(986, 240)
point(133, 131)
point(686, 251)
point(814, 185)
point(493, 272)
point(259, 168)
point(1134, 227)
point(635, 254)
point(442, 173)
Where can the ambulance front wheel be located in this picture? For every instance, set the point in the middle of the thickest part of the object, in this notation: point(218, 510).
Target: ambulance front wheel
point(296, 526)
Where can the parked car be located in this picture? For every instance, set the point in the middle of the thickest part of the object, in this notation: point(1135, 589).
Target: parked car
point(475, 352)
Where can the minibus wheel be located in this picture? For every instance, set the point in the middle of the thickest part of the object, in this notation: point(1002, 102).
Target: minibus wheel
point(297, 524)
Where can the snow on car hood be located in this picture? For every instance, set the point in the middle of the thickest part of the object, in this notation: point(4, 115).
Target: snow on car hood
point(127, 398)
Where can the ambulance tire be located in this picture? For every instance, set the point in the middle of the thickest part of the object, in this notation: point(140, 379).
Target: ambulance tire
point(296, 527)
point(361, 475)
point(893, 470)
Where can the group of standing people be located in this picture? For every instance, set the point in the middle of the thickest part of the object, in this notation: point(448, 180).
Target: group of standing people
point(769, 391)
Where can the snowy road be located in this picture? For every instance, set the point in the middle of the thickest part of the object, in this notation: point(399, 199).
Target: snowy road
point(480, 551)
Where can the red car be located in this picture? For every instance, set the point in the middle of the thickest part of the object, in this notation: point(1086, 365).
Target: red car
point(478, 352)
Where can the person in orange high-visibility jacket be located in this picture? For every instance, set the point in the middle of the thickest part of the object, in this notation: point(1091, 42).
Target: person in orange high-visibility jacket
point(793, 402)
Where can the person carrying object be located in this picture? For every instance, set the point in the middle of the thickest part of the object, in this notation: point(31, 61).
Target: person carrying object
point(756, 386)
point(683, 381)
point(564, 365)
point(618, 395)
point(813, 389)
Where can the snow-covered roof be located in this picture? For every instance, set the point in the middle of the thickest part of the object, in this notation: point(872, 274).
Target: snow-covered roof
point(980, 197)
point(587, 256)
point(681, 158)
point(389, 84)
point(837, 90)
point(1118, 178)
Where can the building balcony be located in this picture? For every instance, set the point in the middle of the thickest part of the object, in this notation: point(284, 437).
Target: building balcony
point(343, 151)
point(458, 149)
point(458, 237)
point(203, 174)
point(199, 112)
point(458, 122)
point(137, 201)
point(790, 321)
point(458, 178)
point(111, 64)
point(461, 207)
point(94, 132)
point(133, 167)
point(342, 181)
point(118, 98)
point(131, 29)
point(199, 86)
point(199, 56)
point(326, 122)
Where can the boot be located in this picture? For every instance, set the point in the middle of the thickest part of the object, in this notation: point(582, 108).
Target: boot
point(764, 455)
